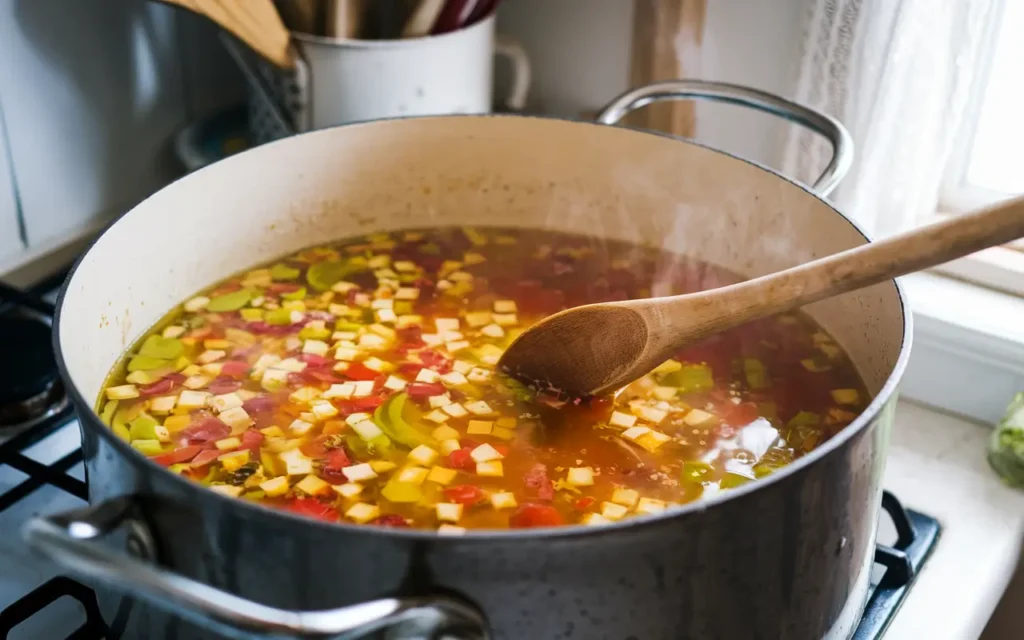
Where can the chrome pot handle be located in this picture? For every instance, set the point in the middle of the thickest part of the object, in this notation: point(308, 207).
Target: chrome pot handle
point(72, 540)
point(825, 125)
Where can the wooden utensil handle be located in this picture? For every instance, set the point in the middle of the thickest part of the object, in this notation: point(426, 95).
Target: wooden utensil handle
point(879, 261)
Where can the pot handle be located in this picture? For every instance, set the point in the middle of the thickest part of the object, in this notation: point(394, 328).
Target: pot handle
point(73, 540)
point(820, 123)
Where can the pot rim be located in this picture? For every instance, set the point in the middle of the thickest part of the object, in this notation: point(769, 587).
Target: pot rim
point(885, 394)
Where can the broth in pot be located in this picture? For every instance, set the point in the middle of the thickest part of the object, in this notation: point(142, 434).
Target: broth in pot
point(356, 381)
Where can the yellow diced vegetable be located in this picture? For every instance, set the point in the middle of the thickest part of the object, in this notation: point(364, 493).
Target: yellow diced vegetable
point(441, 475)
point(580, 476)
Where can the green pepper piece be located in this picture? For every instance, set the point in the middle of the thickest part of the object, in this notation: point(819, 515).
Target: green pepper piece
point(298, 294)
point(108, 412)
point(251, 315)
point(125, 414)
point(756, 374)
point(323, 275)
point(148, 447)
point(160, 347)
point(733, 480)
point(314, 333)
point(146, 363)
point(804, 419)
point(690, 378)
point(696, 471)
point(143, 428)
point(278, 317)
point(230, 301)
point(281, 271)
point(345, 325)
point(389, 416)
point(401, 492)
point(1006, 448)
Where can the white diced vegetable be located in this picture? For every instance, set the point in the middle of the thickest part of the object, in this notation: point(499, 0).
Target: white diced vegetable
point(505, 319)
point(323, 410)
point(367, 430)
point(347, 354)
point(291, 365)
point(123, 392)
point(191, 399)
point(652, 440)
point(211, 355)
point(479, 375)
point(382, 466)
point(386, 315)
point(296, 463)
point(479, 427)
point(485, 453)
point(456, 346)
point(359, 472)
point(343, 391)
point(315, 347)
point(436, 416)
point(163, 404)
point(664, 393)
point(227, 490)
point(491, 469)
point(438, 401)
point(505, 306)
point(196, 382)
point(304, 395)
point(422, 455)
point(454, 379)
point(300, 427)
point(650, 414)
point(626, 497)
point(450, 336)
point(450, 530)
point(635, 433)
point(455, 410)
point(162, 434)
point(312, 485)
point(362, 512)
point(362, 388)
point(431, 339)
point(446, 324)
point(493, 331)
point(619, 419)
point(447, 446)
point(650, 505)
point(477, 319)
point(173, 331)
point(479, 408)
point(382, 303)
point(503, 500)
point(412, 475)
point(580, 476)
point(407, 293)
point(355, 418)
point(427, 375)
point(275, 487)
point(197, 303)
point(449, 511)
point(395, 383)
point(348, 490)
point(237, 418)
point(441, 475)
point(462, 366)
point(274, 379)
point(373, 341)
point(595, 519)
point(224, 402)
point(613, 511)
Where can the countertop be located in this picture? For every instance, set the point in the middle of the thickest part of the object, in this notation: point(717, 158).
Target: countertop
point(937, 466)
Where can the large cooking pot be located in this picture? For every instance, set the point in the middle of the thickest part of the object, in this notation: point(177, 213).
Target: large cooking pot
point(785, 557)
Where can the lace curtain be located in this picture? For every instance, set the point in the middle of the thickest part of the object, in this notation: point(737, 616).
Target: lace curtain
point(898, 74)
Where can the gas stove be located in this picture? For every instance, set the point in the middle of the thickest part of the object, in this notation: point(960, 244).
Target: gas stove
point(41, 472)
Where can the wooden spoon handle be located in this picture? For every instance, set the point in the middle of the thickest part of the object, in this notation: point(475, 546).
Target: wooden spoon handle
point(873, 263)
point(254, 22)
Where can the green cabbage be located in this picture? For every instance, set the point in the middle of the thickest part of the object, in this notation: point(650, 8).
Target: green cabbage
point(1006, 450)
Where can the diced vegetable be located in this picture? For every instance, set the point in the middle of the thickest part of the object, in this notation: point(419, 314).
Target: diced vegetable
point(690, 378)
point(1006, 448)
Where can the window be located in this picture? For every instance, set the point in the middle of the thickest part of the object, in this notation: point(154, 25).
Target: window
point(987, 163)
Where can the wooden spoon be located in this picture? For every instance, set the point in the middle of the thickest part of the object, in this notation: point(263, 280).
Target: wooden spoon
point(598, 348)
point(254, 22)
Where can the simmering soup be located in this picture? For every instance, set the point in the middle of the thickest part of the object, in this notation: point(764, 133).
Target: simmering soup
point(356, 382)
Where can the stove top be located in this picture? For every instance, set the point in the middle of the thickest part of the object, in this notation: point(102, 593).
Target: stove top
point(41, 472)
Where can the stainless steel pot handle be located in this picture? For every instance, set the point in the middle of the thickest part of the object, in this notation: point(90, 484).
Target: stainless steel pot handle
point(72, 539)
point(825, 125)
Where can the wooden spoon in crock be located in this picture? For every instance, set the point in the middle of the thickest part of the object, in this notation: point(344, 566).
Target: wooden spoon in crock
point(598, 348)
point(254, 22)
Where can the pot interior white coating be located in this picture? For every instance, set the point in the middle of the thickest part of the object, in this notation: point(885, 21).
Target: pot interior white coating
point(466, 170)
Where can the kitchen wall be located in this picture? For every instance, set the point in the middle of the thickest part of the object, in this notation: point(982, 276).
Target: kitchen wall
point(582, 47)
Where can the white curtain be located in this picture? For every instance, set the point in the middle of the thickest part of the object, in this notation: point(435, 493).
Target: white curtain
point(898, 74)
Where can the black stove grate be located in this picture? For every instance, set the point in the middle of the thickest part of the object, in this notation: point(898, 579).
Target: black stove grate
point(916, 533)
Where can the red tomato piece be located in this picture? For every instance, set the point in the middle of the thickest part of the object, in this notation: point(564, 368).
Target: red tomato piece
point(282, 287)
point(314, 448)
point(314, 360)
point(466, 494)
point(259, 404)
point(359, 405)
point(737, 415)
point(318, 374)
point(222, 384)
point(460, 459)
point(312, 508)
point(410, 369)
point(537, 479)
point(423, 390)
point(206, 430)
point(157, 388)
point(337, 459)
point(584, 503)
point(390, 520)
point(359, 371)
point(182, 454)
point(532, 514)
point(252, 440)
point(204, 457)
point(235, 369)
point(435, 361)
point(501, 448)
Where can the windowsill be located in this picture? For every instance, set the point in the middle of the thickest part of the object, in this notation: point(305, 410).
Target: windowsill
point(968, 351)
